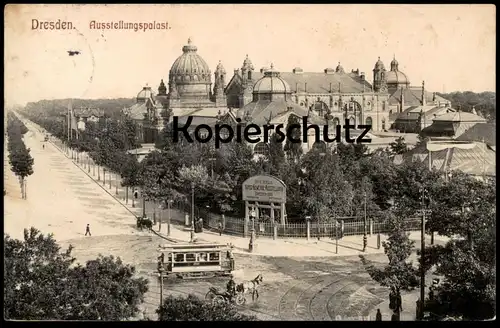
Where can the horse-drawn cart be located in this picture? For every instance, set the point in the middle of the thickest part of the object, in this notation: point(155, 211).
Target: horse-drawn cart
point(217, 297)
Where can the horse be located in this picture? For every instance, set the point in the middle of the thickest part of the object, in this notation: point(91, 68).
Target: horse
point(250, 286)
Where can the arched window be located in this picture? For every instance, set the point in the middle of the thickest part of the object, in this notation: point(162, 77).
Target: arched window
point(368, 121)
point(336, 121)
point(321, 108)
point(352, 120)
point(195, 77)
point(319, 146)
point(261, 148)
point(383, 124)
point(249, 75)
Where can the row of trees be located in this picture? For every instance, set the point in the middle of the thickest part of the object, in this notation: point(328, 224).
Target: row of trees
point(43, 282)
point(19, 156)
point(484, 102)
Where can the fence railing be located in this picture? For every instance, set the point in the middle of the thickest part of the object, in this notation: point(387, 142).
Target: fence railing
point(349, 226)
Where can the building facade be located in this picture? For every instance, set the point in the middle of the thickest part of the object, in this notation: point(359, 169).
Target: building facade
point(335, 93)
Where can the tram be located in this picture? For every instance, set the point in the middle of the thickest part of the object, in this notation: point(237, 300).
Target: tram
point(196, 260)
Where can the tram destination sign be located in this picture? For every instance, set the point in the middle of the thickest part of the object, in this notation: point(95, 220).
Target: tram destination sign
point(264, 188)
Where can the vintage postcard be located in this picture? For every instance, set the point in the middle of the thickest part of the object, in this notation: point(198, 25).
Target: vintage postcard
point(249, 162)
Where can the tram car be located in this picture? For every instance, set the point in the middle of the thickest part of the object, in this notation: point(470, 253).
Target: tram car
point(196, 260)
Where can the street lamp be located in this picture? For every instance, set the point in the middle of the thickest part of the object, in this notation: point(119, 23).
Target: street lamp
point(251, 245)
point(365, 238)
point(169, 205)
point(424, 197)
point(192, 212)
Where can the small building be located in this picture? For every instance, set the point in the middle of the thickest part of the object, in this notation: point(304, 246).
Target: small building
point(451, 124)
point(475, 158)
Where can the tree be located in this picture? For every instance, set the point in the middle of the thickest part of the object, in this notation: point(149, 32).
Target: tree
point(398, 146)
point(465, 209)
point(293, 150)
point(276, 157)
point(43, 283)
point(19, 156)
point(399, 274)
point(191, 308)
point(158, 178)
point(322, 179)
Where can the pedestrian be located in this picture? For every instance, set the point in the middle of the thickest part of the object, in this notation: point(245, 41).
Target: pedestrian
point(43, 146)
point(378, 316)
point(87, 230)
point(219, 226)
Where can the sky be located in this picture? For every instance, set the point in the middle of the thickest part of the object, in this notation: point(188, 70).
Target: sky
point(451, 47)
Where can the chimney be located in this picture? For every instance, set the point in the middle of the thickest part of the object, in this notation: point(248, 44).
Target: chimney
point(433, 96)
point(297, 70)
point(330, 87)
point(305, 87)
point(263, 69)
point(329, 71)
point(296, 87)
point(362, 76)
point(423, 93)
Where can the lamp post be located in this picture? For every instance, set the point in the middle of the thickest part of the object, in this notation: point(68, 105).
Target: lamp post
point(424, 196)
point(251, 245)
point(192, 212)
point(169, 204)
point(365, 238)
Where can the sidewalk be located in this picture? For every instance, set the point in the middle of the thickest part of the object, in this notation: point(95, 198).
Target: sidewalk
point(282, 247)
point(409, 306)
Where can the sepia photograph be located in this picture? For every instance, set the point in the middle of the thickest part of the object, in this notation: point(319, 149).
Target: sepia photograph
point(249, 162)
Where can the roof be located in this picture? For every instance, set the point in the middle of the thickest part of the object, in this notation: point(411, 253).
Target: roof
point(460, 117)
point(447, 128)
point(413, 97)
point(137, 110)
point(87, 112)
point(320, 82)
point(473, 161)
point(480, 132)
point(413, 112)
point(261, 111)
point(271, 83)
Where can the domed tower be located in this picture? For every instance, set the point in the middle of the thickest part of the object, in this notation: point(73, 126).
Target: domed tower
point(162, 89)
point(271, 87)
point(379, 77)
point(189, 79)
point(247, 82)
point(395, 78)
point(145, 94)
point(219, 85)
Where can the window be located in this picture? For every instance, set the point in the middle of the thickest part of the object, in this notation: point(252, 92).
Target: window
point(249, 75)
point(336, 121)
point(214, 257)
point(190, 257)
point(368, 121)
point(179, 257)
point(261, 149)
point(352, 120)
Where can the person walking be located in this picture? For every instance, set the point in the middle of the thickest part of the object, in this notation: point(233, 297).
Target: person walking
point(219, 227)
point(378, 316)
point(87, 230)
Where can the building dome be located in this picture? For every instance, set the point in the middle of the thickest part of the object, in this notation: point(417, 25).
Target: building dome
point(189, 67)
point(271, 83)
point(397, 77)
point(145, 93)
